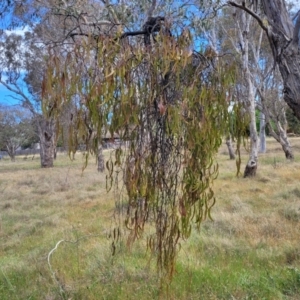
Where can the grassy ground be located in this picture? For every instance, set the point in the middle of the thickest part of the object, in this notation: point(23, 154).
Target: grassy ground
point(250, 251)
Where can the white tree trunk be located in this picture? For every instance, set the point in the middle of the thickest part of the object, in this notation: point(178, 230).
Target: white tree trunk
point(229, 147)
point(251, 166)
point(243, 26)
point(280, 136)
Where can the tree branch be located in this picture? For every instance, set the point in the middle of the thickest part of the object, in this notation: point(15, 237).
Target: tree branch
point(132, 33)
point(252, 13)
point(26, 101)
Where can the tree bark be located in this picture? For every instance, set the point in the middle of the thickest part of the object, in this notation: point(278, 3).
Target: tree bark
point(46, 131)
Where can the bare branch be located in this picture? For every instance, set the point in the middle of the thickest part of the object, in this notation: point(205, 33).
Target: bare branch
point(26, 101)
point(252, 13)
point(132, 33)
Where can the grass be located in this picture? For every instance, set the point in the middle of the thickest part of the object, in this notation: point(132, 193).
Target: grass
point(250, 251)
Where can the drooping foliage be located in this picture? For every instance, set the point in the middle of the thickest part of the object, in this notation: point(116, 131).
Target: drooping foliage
point(168, 106)
point(239, 130)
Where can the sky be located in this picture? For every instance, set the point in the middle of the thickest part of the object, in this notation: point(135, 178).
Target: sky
point(296, 3)
point(6, 97)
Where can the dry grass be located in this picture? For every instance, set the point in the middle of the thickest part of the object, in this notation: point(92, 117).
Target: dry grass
point(250, 251)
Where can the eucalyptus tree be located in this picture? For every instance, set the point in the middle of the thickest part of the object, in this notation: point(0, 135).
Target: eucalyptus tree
point(283, 35)
point(16, 128)
point(22, 66)
point(22, 63)
point(24, 59)
point(268, 87)
point(251, 50)
point(274, 108)
point(237, 31)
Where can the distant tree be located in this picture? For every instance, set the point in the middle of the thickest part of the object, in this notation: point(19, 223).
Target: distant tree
point(25, 58)
point(16, 129)
point(22, 63)
point(264, 78)
point(235, 34)
point(274, 108)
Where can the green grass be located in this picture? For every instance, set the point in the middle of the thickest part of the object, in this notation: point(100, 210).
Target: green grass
point(250, 251)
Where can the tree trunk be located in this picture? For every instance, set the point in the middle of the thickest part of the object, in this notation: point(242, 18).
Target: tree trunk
point(72, 155)
point(279, 132)
point(262, 133)
point(100, 158)
point(46, 130)
point(243, 33)
point(230, 148)
point(251, 167)
point(11, 151)
point(288, 151)
point(13, 157)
